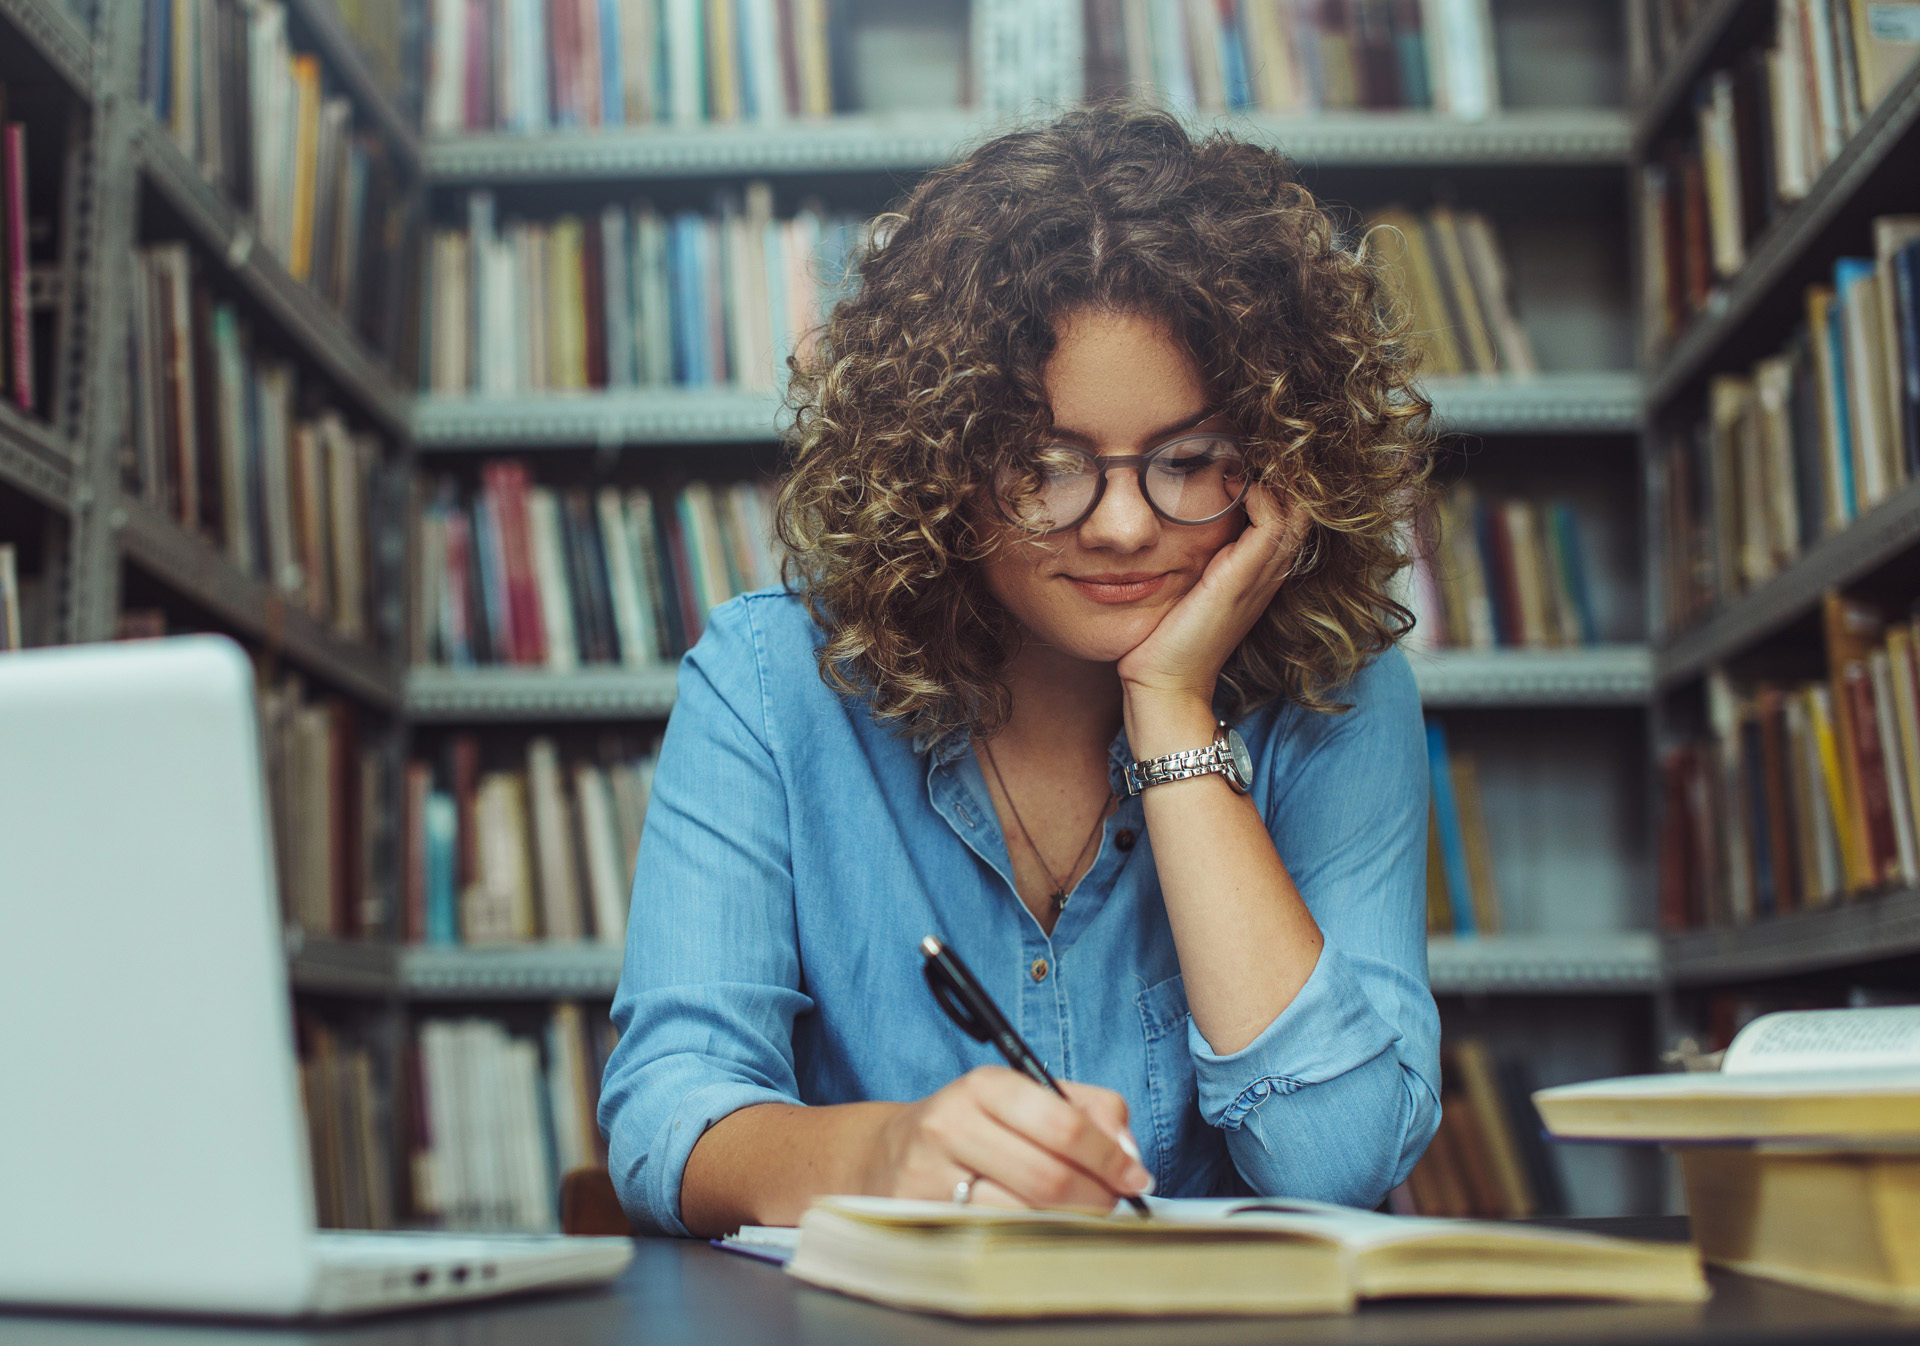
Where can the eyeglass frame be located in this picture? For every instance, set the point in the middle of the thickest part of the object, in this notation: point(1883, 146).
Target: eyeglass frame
point(1105, 463)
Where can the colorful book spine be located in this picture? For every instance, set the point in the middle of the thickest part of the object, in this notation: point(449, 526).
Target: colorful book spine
point(1453, 846)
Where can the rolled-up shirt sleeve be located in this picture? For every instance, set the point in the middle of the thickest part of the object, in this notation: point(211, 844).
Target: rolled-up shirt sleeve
point(1337, 1098)
point(711, 983)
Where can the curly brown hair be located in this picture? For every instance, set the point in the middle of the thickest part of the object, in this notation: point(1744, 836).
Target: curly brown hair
point(928, 381)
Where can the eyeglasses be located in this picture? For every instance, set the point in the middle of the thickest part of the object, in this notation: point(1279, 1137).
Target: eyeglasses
point(1195, 478)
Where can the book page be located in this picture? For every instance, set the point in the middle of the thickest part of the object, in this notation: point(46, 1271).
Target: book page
point(1827, 1040)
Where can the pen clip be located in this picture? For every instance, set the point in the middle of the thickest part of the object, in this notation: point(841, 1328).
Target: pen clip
point(947, 993)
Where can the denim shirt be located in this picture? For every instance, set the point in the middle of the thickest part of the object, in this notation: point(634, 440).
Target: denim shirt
point(795, 853)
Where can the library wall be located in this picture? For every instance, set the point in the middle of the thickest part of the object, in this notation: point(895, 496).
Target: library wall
point(431, 351)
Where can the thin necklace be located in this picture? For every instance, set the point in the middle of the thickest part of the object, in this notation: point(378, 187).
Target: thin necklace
point(1059, 897)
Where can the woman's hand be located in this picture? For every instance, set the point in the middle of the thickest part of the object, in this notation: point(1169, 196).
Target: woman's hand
point(1019, 1144)
point(1181, 660)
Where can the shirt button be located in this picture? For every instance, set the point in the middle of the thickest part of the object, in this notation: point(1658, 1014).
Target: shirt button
point(1124, 838)
point(1039, 969)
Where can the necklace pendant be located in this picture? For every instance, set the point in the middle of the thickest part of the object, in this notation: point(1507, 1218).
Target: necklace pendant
point(1059, 900)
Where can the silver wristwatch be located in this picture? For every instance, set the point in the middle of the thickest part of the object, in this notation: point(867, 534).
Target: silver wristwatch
point(1227, 756)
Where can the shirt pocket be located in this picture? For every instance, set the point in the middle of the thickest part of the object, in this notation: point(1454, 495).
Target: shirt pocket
point(1186, 1153)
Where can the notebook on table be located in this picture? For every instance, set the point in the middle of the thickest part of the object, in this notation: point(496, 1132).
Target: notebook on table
point(152, 1150)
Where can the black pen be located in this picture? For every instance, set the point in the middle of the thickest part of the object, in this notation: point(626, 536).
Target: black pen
point(967, 1003)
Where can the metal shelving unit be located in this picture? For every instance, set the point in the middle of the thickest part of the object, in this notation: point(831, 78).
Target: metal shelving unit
point(1548, 404)
point(1890, 128)
point(520, 971)
point(563, 420)
point(1601, 403)
point(1622, 962)
point(299, 312)
point(1888, 529)
point(913, 142)
point(321, 22)
point(342, 967)
point(36, 459)
point(196, 569)
point(57, 35)
point(1675, 81)
point(1597, 675)
point(439, 695)
point(1808, 941)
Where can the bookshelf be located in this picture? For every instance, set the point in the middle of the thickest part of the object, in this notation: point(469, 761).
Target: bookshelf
point(1532, 165)
point(1767, 634)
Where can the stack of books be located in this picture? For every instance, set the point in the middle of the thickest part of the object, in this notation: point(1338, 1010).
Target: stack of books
point(631, 298)
point(1809, 440)
point(258, 119)
point(219, 443)
point(347, 1130)
point(328, 794)
point(1487, 1158)
point(1307, 55)
point(1462, 896)
point(1807, 794)
point(16, 306)
point(515, 573)
point(1799, 1154)
point(1763, 130)
point(542, 849)
point(1508, 574)
point(1454, 279)
point(494, 1132)
point(532, 65)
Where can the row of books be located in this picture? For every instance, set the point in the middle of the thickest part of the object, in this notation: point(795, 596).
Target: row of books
point(532, 65)
point(1508, 573)
point(515, 573)
point(1462, 896)
point(525, 66)
point(348, 1130)
point(1808, 440)
point(496, 1126)
point(1805, 794)
point(16, 306)
point(1488, 1158)
point(258, 119)
point(1307, 55)
point(543, 848)
point(220, 442)
point(630, 298)
point(1764, 129)
point(327, 788)
point(1455, 283)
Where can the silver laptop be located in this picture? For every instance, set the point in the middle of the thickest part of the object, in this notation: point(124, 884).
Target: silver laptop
point(152, 1149)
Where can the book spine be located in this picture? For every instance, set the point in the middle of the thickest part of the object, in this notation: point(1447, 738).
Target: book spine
point(1452, 841)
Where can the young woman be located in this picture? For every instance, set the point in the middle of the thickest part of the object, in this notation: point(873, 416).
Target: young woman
point(1112, 449)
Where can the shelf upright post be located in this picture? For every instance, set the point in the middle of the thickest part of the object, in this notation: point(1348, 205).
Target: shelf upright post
point(103, 235)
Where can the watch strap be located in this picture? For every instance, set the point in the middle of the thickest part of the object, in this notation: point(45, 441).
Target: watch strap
point(1212, 759)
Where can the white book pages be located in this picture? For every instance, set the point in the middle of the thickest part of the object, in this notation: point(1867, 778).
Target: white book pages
point(550, 574)
point(1826, 1041)
point(600, 848)
point(553, 842)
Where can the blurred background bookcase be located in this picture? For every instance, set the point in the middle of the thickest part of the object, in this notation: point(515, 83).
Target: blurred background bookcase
point(1566, 739)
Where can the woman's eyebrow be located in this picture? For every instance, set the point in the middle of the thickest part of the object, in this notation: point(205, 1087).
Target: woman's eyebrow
point(1153, 437)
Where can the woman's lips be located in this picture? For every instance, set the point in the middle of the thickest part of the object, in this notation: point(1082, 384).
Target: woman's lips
point(1118, 589)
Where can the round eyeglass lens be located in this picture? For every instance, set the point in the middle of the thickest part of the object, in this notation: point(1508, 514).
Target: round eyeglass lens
point(1197, 478)
point(1068, 481)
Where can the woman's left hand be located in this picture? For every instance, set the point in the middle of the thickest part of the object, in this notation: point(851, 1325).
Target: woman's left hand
point(1183, 656)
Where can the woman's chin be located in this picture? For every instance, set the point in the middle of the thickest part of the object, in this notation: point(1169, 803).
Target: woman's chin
point(1103, 641)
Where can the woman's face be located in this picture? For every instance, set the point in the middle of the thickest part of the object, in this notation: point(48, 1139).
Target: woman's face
point(1118, 383)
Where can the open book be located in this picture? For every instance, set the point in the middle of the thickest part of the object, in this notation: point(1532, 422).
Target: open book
point(1838, 1075)
point(1208, 1257)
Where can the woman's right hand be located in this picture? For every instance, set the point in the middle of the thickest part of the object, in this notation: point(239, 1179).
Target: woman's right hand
point(1019, 1144)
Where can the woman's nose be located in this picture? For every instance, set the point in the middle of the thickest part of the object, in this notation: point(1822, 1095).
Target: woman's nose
point(1123, 520)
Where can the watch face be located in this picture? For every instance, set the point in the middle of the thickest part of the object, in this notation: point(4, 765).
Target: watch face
point(1240, 759)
